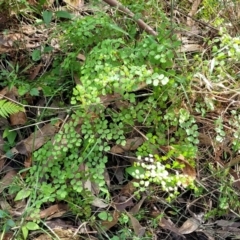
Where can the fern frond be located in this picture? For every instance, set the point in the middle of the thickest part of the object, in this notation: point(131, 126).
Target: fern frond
point(7, 108)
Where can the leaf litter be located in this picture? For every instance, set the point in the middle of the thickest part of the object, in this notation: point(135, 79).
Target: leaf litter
point(126, 200)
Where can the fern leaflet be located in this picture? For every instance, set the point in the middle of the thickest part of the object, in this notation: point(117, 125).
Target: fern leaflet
point(7, 108)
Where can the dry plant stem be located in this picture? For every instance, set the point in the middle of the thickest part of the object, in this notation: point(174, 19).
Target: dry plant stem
point(140, 22)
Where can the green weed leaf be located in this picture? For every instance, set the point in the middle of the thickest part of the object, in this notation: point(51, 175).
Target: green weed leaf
point(135, 171)
point(103, 215)
point(63, 14)
point(32, 226)
point(47, 17)
point(3, 214)
point(22, 194)
point(34, 92)
point(25, 232)
point(36, 55)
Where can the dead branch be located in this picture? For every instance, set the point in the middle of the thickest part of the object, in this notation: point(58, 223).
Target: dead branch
point(140, 22)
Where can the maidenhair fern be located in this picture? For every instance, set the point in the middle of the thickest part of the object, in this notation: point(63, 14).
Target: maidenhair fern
point(7, 108)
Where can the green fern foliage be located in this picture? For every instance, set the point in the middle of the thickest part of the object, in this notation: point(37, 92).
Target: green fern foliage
point(7, 108)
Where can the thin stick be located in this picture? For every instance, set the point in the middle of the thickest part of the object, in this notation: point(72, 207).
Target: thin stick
point(140, 22)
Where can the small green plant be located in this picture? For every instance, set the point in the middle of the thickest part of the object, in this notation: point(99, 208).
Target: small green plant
point(29, 226)
point(115, 64)
point(152, 170)
point(11, 138)
point(7, 108)
point(220, 130)
point(6, 222)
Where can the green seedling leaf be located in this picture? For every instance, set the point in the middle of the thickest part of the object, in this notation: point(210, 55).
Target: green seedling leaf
point(36, 55)
point(115, 27)
point(22, 194)
point(10, 223)
point(23, 89)
point(3, 214)
point(47, 17)
point(10, 135)
point(47, 49)
point(103, 215)
point(34, 92)
point(63, 14)
point(135, 171)
point(165, 80)
point(32, 226)
point(25, 232)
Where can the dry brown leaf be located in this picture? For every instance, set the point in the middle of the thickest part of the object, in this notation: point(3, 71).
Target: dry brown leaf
point(39, 138)
point(131, 144)
point(226, 223)
point(119, 174)
point(109, 224)
point(120, 104)
point(19, 118)
point(53, 210)
point(128, 189)
point(137, 228)
point(97, 202)
point(7, 179)
point(189, 226)
point(6, 236)
point(168, 224)
point(121, 203)
point(107, 178)
point(109, 98)
point(189, 172)
point(5, 205)
point(35, 71)
point(3, 92)
point(1, 142)
point(136, 208)
point(187, 169)
point(57, 214)
point(190, 48)
point(81, 57)
point(35, 140)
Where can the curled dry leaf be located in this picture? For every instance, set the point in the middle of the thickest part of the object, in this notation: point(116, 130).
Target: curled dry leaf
point(168, 224)
point(128, 189)
point(189, 226)
point(190, 48)
point(36, 139)
point(97, 202)
point(19, 118)
point(53, 210)
point(81, 57)
point(136, 208)
point(122, 203)
point(226, 223)
point(109, 98)
point(7, 179)
point(187, 169)
point(137, 228)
